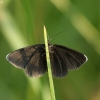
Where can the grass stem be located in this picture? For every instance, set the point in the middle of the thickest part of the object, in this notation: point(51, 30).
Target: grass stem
point(49, 66)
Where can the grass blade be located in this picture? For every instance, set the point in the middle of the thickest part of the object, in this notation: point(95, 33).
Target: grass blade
point(49, 66)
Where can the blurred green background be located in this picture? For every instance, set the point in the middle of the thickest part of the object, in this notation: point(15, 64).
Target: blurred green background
point(21, 25)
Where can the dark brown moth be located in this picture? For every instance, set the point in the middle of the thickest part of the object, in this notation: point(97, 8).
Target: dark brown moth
point(33, 59)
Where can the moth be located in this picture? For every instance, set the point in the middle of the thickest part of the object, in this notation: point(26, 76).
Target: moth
point(33, 59)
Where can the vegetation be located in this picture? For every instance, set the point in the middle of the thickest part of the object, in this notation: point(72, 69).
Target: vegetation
point(21, 24)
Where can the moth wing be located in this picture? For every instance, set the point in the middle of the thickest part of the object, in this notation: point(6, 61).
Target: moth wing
point(64, 59)
point(72, 58)
point(31, 58)
point(58, 66)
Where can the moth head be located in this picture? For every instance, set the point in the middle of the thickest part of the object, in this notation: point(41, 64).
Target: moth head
point(50, 48)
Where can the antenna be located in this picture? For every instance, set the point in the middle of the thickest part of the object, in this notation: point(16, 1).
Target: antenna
point(55, 35)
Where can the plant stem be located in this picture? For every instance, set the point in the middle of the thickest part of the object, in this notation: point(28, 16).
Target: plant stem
point(49, 67)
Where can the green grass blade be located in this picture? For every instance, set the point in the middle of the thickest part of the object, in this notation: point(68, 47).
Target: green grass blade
point(49, 66)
